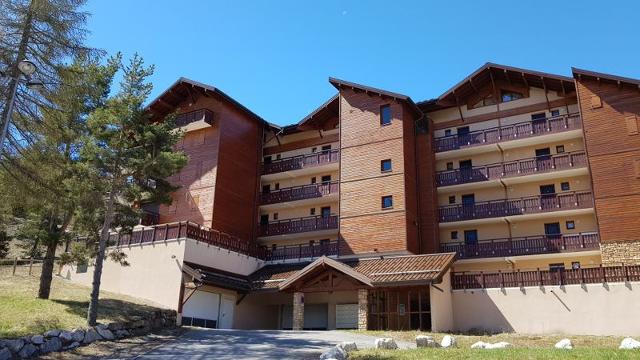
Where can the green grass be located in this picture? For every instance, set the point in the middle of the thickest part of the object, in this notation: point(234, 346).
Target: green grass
point(525, 347)
point(22, 313)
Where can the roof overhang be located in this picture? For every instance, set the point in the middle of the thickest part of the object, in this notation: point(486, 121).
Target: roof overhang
point(580, 74)
point(323, 263)
point(208, 276)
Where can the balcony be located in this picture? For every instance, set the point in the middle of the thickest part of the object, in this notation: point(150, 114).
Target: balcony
point(299, 225)
point(530, 166)
point(194, 120)
point(504, 133)
point(301, 162)
point(299, 193)
point(149, 218)
point(529, 245)
point(296, 252)
point(512, 207)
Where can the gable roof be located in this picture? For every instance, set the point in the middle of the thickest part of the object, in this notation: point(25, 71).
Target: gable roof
point(490, 72)
point(184, 88)
point(321, 263)
point(368, 89)
point(322, 113)
point(581, 73)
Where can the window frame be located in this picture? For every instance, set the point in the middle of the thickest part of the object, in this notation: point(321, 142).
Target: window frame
point(565, 186)
point(383, 121)
point(382, 167)
point(383, 201)
point(570, 224)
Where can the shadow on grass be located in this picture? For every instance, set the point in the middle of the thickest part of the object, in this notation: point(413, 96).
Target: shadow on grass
point(108, 309)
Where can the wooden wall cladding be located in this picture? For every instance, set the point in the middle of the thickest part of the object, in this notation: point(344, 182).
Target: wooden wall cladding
point(609, 116)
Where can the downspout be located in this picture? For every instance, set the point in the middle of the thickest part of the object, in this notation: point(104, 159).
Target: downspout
point(419, 207)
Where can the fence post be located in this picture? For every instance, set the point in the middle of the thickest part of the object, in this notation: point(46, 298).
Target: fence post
point(604, 275)
point(30, 265)
point(482, 278)
point(15, 264)
point(540, 277)
point(501, 279)
point(626, 272)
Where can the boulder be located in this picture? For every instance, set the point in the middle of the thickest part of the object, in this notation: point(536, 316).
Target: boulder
point(426, 341)
point(73, 345)
point(14, 345)
point(105, 333)
point(77, 334)
point(5, 354)
point(121, 333)
point(564, 344)
point(27, 351)
point(114, 326)
point(629, 343)
point(51, 345)
point(479, 345)
point(385, 343)
point(448, 341)
point(348, 346)
point(335, 353)
point(500, 345)
point(66, 337)
point(90, 336)
point(52, 333)
point(37, 339)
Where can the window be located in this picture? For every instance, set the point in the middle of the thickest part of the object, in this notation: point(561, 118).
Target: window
point(264, 219)
point(471, 237)
point(454, 235)
point(571, 225)
point(277, 186)
point(387, 202)
point(385, 165)
point(275, 216)
point(278, 157)
point(266, 189)
point(555, 113)
point(326, 179)
point(452, 199)
point(314, 149)
point(449, 166)
point(557, 267)
point(313, 180)
point(447, 132)
point(565, 186)
point(510, 96)
point(486, 101)
point(326, 148)
point(312, 211)
point(325, 211)
point(575, 265)
point(559, 149)
point(385, 115)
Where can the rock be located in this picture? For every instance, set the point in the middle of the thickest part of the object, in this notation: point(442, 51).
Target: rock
point(564, 344)
point(335, 353)
point(629, 343)
point(77, 334)
point(14, 345)
point(448, 341)
point(90, 336)
point(5, 354)
point(66, 337)
point(27, 351)
point(499, 345)
point(37, 339)
point(52, 333)
point(426, 341)
point(115, 326)
point(105, 333)
point(51, 345)
point(348, 346)
point(73, 345)
point(385, 343)
point(479, 345)
point(119, 334)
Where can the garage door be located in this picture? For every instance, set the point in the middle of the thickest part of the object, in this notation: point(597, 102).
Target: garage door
point(201, 310)
point(347, 316)
point(316, 316)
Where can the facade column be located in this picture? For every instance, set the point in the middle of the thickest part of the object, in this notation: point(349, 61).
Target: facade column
point(363, 309)
point(298, 310)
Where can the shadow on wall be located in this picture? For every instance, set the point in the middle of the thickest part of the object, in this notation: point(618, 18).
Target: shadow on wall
point(476, 313)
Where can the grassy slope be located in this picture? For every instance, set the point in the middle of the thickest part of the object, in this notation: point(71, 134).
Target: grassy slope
point(526, 347)
point(21, 313)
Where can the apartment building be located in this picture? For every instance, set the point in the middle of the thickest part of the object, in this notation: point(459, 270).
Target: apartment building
point(378, 212)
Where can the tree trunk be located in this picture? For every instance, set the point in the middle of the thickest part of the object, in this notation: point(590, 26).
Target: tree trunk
point(92, 312)
point(47, 269)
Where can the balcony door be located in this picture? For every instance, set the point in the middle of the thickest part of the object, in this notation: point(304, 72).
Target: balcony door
point(548, 199)
point(543, 159)
point(264, 219)
point(468, 206)
point(463, 135)
point(553, 235)
point(539, 123)
point(325, 212)
point(466, 170)
point(471, 237)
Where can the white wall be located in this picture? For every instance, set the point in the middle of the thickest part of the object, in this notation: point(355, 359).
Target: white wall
point(594, 309)
point(441, 305)
point(221, 259)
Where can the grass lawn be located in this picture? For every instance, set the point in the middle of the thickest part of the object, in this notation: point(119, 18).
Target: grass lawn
point(525, 347)
point(21, 313)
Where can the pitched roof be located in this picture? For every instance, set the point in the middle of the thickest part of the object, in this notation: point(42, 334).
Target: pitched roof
point(322, 113)
point(382, 271)
point(581, 73)
point(322, 263)
point(368, 89)
point(184, 88)
point(218, 278)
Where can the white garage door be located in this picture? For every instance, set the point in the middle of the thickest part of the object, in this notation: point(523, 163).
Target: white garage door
point(316, 316)
point(201, 309)
point(347, 316)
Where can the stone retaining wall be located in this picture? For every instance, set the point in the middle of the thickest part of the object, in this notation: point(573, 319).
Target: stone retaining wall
point(62, 340)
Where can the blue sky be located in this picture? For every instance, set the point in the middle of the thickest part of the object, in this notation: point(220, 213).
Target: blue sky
point(275, 56)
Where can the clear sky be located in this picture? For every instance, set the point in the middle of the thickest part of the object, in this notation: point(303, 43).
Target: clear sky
point(275, 56)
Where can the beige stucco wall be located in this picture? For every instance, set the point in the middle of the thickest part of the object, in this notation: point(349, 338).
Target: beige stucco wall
point(221, 259)
point(530, 262)
point(300, 211)
point(302, 180)
point(441, 305)
point(594, 309)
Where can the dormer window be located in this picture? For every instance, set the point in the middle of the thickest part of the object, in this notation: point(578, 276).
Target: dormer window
point(485, 101)
point(510, 96)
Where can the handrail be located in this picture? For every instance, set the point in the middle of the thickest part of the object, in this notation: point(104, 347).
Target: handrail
point(298, 225)
point(193, 116)
point(301, 161)
point(288, 252)
point(301, 192)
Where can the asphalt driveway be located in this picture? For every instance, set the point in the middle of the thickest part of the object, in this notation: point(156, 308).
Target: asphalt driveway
point(255, 344)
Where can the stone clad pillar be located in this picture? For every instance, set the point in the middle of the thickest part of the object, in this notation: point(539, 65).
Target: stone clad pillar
point(363, 309)
point(298, 310)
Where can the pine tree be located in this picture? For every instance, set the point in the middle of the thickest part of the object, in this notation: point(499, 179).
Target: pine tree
point(128, 157)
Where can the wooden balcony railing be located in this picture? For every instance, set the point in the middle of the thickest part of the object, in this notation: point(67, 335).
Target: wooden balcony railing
point(301, 161)
point(536, 165)
point(193, 116)
point(299, 193)
point(290, 252)
point(529, 245)
point(593, 275)
point(509, 132)
point(510, 207)
point(299, 225)
point(149, 218)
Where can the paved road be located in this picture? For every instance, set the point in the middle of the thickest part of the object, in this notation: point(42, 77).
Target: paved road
point(255, 344)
